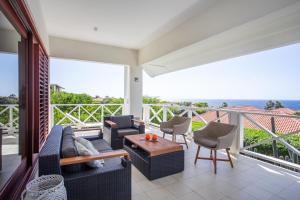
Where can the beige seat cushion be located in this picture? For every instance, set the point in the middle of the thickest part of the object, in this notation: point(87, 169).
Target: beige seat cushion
point(167, 130)
point(206, 142)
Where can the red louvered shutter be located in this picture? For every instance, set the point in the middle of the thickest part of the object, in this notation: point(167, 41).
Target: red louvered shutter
point(41, 96)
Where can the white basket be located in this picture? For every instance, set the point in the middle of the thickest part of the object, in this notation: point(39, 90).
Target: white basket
point(50, 187)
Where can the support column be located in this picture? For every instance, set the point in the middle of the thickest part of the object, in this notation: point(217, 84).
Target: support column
point(133, 90)
point(237, 120)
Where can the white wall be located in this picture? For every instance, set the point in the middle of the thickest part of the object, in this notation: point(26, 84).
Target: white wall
point(9, 41)
point(80, 50)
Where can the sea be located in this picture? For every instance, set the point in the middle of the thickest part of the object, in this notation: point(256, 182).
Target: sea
point(291, 104)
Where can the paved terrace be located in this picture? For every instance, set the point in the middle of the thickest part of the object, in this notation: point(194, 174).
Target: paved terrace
point(249, 179)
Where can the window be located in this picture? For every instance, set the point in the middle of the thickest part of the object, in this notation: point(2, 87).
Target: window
point(12, 139)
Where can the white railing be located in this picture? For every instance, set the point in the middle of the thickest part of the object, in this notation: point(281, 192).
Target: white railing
point(83, 115)
point(91, 115)
point(153, 114)
point(9, 117)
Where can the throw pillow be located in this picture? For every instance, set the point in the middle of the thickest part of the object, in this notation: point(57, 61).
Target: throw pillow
point(83, 151)
point(87, 144)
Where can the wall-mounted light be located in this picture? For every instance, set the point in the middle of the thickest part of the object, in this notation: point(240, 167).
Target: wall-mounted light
point(136, 79)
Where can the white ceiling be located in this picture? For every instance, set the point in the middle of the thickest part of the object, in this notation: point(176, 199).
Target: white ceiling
point(126, 23)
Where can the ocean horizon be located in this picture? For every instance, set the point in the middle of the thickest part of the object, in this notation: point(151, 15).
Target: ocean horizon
point(291, 104)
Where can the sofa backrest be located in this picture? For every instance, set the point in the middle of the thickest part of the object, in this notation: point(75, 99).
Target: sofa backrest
point(49, 156)
point(68, 149)
point(124, 121)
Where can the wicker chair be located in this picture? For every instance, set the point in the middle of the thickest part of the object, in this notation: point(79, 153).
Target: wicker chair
point(215, 136)
point(176, 126)
point(116, 127)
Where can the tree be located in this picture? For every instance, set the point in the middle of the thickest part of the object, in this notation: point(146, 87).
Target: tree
point(70, 98)
point(278, 104)
point(269, 105)
point(201, 104)
point(297, 113)
point(11, 99)
point(185, 103)
point(224, 105)
point(151, 100)
point(273, 105)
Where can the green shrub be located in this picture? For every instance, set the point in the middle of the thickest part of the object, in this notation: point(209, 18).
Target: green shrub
point(252, 136)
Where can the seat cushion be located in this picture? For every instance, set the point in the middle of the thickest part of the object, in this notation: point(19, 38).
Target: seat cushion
point(124, 121)
point(206, 142)
point(101, 145)
point(127, 131)
point(167, 130)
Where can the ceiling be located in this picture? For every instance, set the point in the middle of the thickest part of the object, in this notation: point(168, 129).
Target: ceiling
point(127, 23)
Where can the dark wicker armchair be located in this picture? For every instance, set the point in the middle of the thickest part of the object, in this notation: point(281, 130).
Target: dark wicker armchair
point(116, 127)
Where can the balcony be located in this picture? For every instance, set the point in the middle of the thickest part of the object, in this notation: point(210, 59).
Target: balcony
point(155, 37)
point(256, 175)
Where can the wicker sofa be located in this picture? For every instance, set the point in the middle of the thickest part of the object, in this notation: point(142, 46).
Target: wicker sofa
point(110, 182)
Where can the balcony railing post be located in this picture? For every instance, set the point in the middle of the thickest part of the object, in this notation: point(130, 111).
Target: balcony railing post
point(146, 114)
point(11, 120)
point(237, 120)
point(218, 115)
point(102, 114)
point(190, 115)
point(165, 113)
point(274, 144)
point(79, 112)
point(52, 116)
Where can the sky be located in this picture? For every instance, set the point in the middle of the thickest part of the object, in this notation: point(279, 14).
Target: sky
point(272, 74)
point(88, 77)
point(9, 75)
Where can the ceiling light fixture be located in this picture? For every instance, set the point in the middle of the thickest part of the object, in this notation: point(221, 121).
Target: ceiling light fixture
point(96, 28)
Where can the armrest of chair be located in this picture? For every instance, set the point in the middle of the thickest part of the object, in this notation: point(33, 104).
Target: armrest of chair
point(140, 122)
point(165, 124)
point(83, 159)
point(111, 124)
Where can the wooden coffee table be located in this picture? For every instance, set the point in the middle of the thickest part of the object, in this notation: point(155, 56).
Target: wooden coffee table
point(155, 159)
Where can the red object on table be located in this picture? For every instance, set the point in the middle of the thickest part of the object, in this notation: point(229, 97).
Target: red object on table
point(147, 136)
point(154, 137)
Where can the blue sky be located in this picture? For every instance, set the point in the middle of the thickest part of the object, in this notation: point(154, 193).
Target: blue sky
point(9, 75)
point(272, 74)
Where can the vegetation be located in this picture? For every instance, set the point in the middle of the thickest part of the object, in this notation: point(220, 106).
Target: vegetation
point(297, 113)
point(270, 105)
point(224, 105)
point(197, 125)
point(201, 104)
point(11, 99)
point(70, 98)
point(252, 136)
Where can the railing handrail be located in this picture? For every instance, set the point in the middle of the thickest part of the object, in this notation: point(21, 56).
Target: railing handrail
point(264, 113)
point(91, 104)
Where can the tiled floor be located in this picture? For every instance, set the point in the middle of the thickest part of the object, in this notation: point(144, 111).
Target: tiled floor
point(249, 179)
